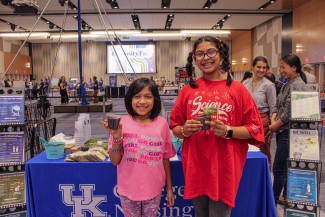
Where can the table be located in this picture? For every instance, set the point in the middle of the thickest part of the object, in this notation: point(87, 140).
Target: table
point(169, 88)
point(56, 188)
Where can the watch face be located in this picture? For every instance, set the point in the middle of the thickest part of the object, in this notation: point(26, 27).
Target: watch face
point(230, 134)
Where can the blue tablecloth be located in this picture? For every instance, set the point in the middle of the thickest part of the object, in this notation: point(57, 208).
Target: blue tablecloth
point(57, 188)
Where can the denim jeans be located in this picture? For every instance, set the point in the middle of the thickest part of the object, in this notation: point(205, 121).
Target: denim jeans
point(280, 163)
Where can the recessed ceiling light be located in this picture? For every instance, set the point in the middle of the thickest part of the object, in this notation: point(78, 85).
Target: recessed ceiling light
point(271, 2)
point(261, 8)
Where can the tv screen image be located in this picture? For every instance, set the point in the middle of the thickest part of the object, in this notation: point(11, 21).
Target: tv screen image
point(142, 58)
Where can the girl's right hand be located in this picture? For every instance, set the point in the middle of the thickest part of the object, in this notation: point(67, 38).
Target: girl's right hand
point(115, 133)
point(192, 127)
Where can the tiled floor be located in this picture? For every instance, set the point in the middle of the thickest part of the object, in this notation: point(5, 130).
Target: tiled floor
point(65, 124)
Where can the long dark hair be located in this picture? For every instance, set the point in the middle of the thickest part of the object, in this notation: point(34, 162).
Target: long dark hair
point(293, 60)
point(134, 88)
point(247, 74)
point(223, 50)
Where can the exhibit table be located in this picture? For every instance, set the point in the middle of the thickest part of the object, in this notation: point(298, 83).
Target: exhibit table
point(57, 188)
point(169, 88)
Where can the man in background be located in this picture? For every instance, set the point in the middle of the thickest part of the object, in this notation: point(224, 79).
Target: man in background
point(35, 86)
point(46, 86)
point(311, 79)
point(269, 75)
point(95, 85)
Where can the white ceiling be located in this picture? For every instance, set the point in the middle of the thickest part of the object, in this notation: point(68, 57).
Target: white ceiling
point(188, 15)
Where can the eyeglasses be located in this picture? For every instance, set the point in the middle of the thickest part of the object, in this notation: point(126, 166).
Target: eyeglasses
point(211, 53)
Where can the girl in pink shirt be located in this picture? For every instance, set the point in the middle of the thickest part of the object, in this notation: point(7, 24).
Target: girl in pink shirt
point(141, 148)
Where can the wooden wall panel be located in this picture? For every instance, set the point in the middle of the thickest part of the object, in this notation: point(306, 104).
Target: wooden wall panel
point(21, 64)
point(309, 30)
point(241, 48)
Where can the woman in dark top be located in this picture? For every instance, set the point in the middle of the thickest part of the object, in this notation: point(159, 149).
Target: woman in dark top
point(290, 68)
point(63, 90)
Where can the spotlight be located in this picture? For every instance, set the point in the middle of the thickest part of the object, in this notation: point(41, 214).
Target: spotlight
point(221, 25)
point(214, 1)
point(207, 4)
point(109, 1)
point(13, 27)
point(188, 39)
point(51, 25)
point(62, 2)
point(83, 25)
point(271, 2)
point(165, 3)
point(5, 2)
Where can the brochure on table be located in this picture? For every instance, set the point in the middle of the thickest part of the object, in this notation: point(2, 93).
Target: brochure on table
point(12, 189)
point(305, 101)
point(302, 186)
point(304, 144)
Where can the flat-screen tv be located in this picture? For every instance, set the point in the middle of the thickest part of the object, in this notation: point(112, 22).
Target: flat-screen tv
point(142, 57)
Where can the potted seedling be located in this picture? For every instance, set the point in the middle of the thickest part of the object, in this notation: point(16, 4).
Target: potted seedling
point(113, 121)
point(208, 112)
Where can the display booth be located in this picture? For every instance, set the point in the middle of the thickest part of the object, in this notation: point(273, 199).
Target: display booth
point(304, 164)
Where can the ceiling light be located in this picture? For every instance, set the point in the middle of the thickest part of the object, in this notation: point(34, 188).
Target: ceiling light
point(206, 7)
point(228, 15)
point(204, 32)
point(74, 36)
point(271, 2)
point(47, 22)
point(51, 25)
point(117, 32)
point(159, 34)
point(165, 3)
point(261, 8)
point(115, 6)
point(13, 27)
point(74, 8)
point(109, 1)
point(75, 16)
point(8, 23)
point(62, 2)
point(223, 20)
point(23, 34)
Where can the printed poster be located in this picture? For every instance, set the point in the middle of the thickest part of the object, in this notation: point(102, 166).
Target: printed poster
point(12, 188)
point(11, 109)
point(16, 214)
point(297, 213)
point(305, 105)
point(302, 186)
point(304, 144)
point(12, 147)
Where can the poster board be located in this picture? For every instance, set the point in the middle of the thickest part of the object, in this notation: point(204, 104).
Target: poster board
point(305, 102)
point(12, 189)
point(297, 213)
point(302, 186)
point(304, 144)
point(12, 148)
point(12, 106)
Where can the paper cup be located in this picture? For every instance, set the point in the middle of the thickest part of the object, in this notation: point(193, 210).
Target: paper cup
point(202, 119)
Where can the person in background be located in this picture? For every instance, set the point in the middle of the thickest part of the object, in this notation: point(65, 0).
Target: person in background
point(42, 87)
point(269, 75)
point(90, 82)
point(247, 76)
point(157, 80)
point(34, 87)
point(49, 84)
point(12, 83)
point(63, 85)
point(101, 83)
point(264, 95)
point(46, 86)
point(211, 175)
point(168, 83)
point(282, 80)
point(311, 79)
point(95, 85)
point(290, 68)
point(6, 83)
point(26, 84)
point(140, 185)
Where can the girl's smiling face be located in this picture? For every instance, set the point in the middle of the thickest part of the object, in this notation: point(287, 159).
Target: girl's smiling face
point(207, 64)
point(142, 102)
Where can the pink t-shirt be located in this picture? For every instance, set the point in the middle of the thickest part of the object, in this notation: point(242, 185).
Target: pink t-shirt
point(141, 174)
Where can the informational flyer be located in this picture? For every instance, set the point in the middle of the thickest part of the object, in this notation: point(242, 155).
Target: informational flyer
point(304, 144)
point(12, 188)
point(297, 213)
point(12, 147)
point(11, 109)
point(16, 214)
point(305, 105)
point(302, 186)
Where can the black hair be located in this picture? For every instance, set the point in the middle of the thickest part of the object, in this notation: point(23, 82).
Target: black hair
point(293, 60)
point(223, 50)
point(134, 88)
point(267, 67)
point(260, 58)
point(95, 77)
point(247, 74)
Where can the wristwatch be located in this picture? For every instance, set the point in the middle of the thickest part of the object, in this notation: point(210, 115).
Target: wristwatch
point(229, 133)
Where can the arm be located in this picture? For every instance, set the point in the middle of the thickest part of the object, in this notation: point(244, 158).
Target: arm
point(115, 157)
point(169, 186)
point(190, 127)
point(219, 129)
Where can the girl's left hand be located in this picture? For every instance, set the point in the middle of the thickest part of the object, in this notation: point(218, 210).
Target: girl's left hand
point(171, 198)
point(219, 128)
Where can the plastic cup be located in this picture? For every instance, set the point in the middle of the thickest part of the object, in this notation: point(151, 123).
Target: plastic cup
point(202, 119)
point(113, 121)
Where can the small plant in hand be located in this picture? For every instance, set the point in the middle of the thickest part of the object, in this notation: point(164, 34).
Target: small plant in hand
point(113, 121)
point(206, 117)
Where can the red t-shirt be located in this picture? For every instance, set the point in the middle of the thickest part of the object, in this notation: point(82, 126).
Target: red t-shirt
point(212, 165)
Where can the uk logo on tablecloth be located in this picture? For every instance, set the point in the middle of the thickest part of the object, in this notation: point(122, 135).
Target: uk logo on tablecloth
point(86, 202)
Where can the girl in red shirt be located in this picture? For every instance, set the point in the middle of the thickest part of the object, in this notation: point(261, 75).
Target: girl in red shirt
point(213, 159)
